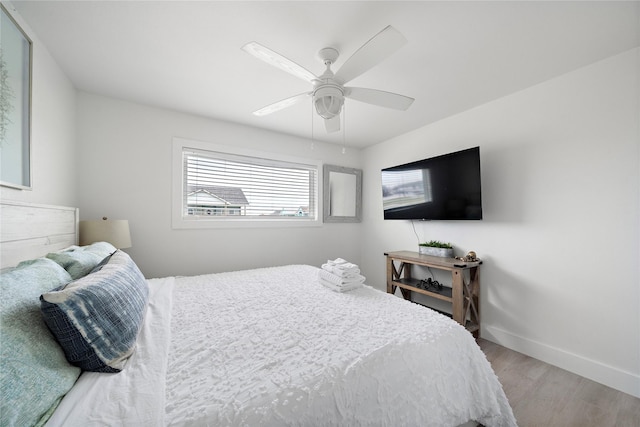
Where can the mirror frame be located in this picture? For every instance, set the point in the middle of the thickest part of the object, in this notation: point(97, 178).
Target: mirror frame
point(326, 193)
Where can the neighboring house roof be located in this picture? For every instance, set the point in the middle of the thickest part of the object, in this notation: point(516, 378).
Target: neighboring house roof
point(215, 195)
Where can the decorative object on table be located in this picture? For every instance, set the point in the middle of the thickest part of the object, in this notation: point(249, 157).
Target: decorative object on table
point(429, 284)
point(469, 257)
point(114, 231)
point(436, 248)
point(15, 104)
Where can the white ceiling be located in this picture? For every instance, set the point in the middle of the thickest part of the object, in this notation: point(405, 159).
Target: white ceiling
point(186, 55)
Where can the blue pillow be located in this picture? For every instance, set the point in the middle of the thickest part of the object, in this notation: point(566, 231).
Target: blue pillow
point(96, 319)
point(81, 260)
point(34, 374)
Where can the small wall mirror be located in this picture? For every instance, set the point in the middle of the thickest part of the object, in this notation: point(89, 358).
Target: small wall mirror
point(342, 194)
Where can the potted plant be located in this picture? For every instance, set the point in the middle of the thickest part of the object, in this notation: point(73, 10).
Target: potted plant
point(436, 248)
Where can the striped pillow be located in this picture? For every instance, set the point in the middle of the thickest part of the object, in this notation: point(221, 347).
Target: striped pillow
point(96, 319)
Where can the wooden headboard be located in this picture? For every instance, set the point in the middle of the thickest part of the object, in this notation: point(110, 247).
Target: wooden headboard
point(30, 230)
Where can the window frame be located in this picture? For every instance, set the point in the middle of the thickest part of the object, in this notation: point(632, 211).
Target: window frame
point(180, 221)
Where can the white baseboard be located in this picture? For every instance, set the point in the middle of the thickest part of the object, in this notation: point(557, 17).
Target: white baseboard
point(624, 381)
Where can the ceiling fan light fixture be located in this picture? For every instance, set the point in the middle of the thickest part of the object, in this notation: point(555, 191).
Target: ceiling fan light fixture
point(328, 101)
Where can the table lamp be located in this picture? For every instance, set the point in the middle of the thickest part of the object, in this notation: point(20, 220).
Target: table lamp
point(114, 231)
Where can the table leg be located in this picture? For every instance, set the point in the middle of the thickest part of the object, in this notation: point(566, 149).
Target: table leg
point(458, 297)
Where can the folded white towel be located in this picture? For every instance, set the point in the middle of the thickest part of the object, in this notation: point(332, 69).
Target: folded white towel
point(351, 272)
point(346, 266)
point(337, 288)
point(339, 281)
point(341, 264)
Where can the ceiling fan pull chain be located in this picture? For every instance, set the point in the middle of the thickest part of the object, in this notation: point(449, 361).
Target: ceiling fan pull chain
point(344, 128)
point(312, 142)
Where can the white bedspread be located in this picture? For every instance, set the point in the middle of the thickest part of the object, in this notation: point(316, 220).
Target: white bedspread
point(272, 347)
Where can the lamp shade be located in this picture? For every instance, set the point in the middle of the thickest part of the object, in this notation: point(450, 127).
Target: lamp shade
point(114, 231)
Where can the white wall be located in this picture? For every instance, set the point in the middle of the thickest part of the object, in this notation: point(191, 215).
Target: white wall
point(560, 236)
point(53, 152)
point(125, 173)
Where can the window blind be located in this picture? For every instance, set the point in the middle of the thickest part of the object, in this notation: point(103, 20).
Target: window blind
point(228, 186)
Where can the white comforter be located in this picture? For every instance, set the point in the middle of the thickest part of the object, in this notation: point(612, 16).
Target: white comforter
point(272, 347)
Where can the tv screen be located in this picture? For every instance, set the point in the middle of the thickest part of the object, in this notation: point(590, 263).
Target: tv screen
point(445, 187)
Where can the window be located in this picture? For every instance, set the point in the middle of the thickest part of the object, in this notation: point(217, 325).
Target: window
point(224, 185)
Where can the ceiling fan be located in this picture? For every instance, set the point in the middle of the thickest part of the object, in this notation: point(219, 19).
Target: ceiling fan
point(329, 91)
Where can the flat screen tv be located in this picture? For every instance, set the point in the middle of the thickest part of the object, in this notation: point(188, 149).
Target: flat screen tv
point(445, 187)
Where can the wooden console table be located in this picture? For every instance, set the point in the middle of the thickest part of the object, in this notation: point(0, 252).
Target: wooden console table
point(463, 294)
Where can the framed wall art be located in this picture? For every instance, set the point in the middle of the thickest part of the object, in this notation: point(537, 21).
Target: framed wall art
point(15, 104)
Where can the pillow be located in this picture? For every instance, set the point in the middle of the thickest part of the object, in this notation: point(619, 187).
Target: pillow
point(96, 319)
point(34, 374)
point(80, 260)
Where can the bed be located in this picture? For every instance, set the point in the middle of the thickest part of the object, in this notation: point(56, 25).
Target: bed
point(262, 347)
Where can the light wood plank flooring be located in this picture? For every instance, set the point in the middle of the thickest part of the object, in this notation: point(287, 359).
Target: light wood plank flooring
point(542, 395)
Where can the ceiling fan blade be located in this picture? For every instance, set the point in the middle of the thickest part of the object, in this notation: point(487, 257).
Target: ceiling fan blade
point(379, 97)
point(277, 106)
point(332, 124)
point(371, 53)
point(279, 61)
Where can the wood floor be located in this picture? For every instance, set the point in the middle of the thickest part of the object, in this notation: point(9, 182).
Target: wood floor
point(542, 395)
